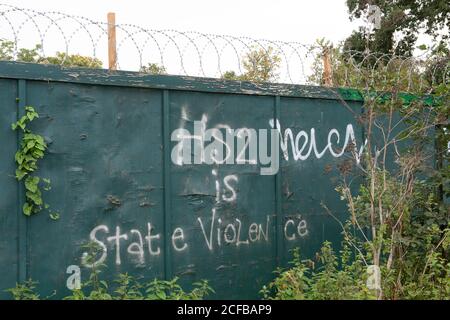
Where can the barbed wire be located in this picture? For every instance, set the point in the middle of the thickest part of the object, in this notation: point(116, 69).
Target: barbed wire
point(208, 55)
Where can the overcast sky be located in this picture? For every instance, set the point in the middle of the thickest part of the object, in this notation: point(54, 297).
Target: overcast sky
point(298, 21)
point(289, 20)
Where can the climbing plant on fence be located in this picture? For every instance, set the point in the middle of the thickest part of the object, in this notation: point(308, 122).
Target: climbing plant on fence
point(396, 238)
point(32, 149)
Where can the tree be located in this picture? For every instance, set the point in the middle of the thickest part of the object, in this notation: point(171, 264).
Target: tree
point(33, 56)
point(72, 60)
point(153, 68)
point(260, 65)
point(406, 17)
point(363, 69)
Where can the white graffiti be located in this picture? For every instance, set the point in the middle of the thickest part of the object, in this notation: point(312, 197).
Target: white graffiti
point(178, 240)
point(191, 148)
point(229, 192)
point(116, 240)
point(299, 145)
point(135, 249)
point(210, 146)
point(227, 181)
point(104, 249)
point(293, 229)
point(215, 231)
point(232, 233)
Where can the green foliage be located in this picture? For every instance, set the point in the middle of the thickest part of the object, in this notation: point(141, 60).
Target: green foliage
point(124, 286)
point(290, 284)
point(29, 55)
point(260, 65)
point(322, 279)
point(364, 69)
point(411, 244)
point(344, 276)
point(171, 290)
point(380, 72)
point(33, 55)
point(407, 18)
point(72, 60)
point(128, 287)
point(32, 148)
point(153, 68)
point(231, 75)
point(399, 218)
point(6, 50)
point(25, 291)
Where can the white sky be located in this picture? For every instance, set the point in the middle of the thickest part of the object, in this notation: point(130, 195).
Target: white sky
point(287, 20)
point(283, 20)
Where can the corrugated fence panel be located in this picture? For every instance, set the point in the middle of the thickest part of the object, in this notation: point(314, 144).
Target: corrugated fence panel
point(9, 216)
point(104, 161)
point(308, 182)
point(215, 205)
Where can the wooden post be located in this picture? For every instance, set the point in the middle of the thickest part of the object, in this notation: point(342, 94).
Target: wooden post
point(327, 77)
point(112, 53)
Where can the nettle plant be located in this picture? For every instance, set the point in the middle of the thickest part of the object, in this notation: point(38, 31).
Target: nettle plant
point(399, 221)
point(123, 287)
point(396, 236)
point(330, 276)
point(32, 148)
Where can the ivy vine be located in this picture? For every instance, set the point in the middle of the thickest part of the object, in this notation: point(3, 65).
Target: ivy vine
point(32, 148)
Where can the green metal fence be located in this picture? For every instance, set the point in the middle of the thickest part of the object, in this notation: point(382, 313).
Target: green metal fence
point(114, 180)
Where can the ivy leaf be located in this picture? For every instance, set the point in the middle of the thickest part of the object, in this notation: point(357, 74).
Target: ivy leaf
point(422, 47)
point(27, 209)
point(40, 140)
point(54, 216)
point(47, 185)
point(31, 184)
point(30, 109)
point(19, 157)
point(29, 158)
point(35, 197)
point(31, 144)
point(38, 154)
point(31, 115)
point(32, 148)
point(29, 136)
point(40, 146)
point(20, 174)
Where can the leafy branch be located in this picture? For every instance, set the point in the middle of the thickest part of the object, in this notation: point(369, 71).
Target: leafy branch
point(32, 148)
